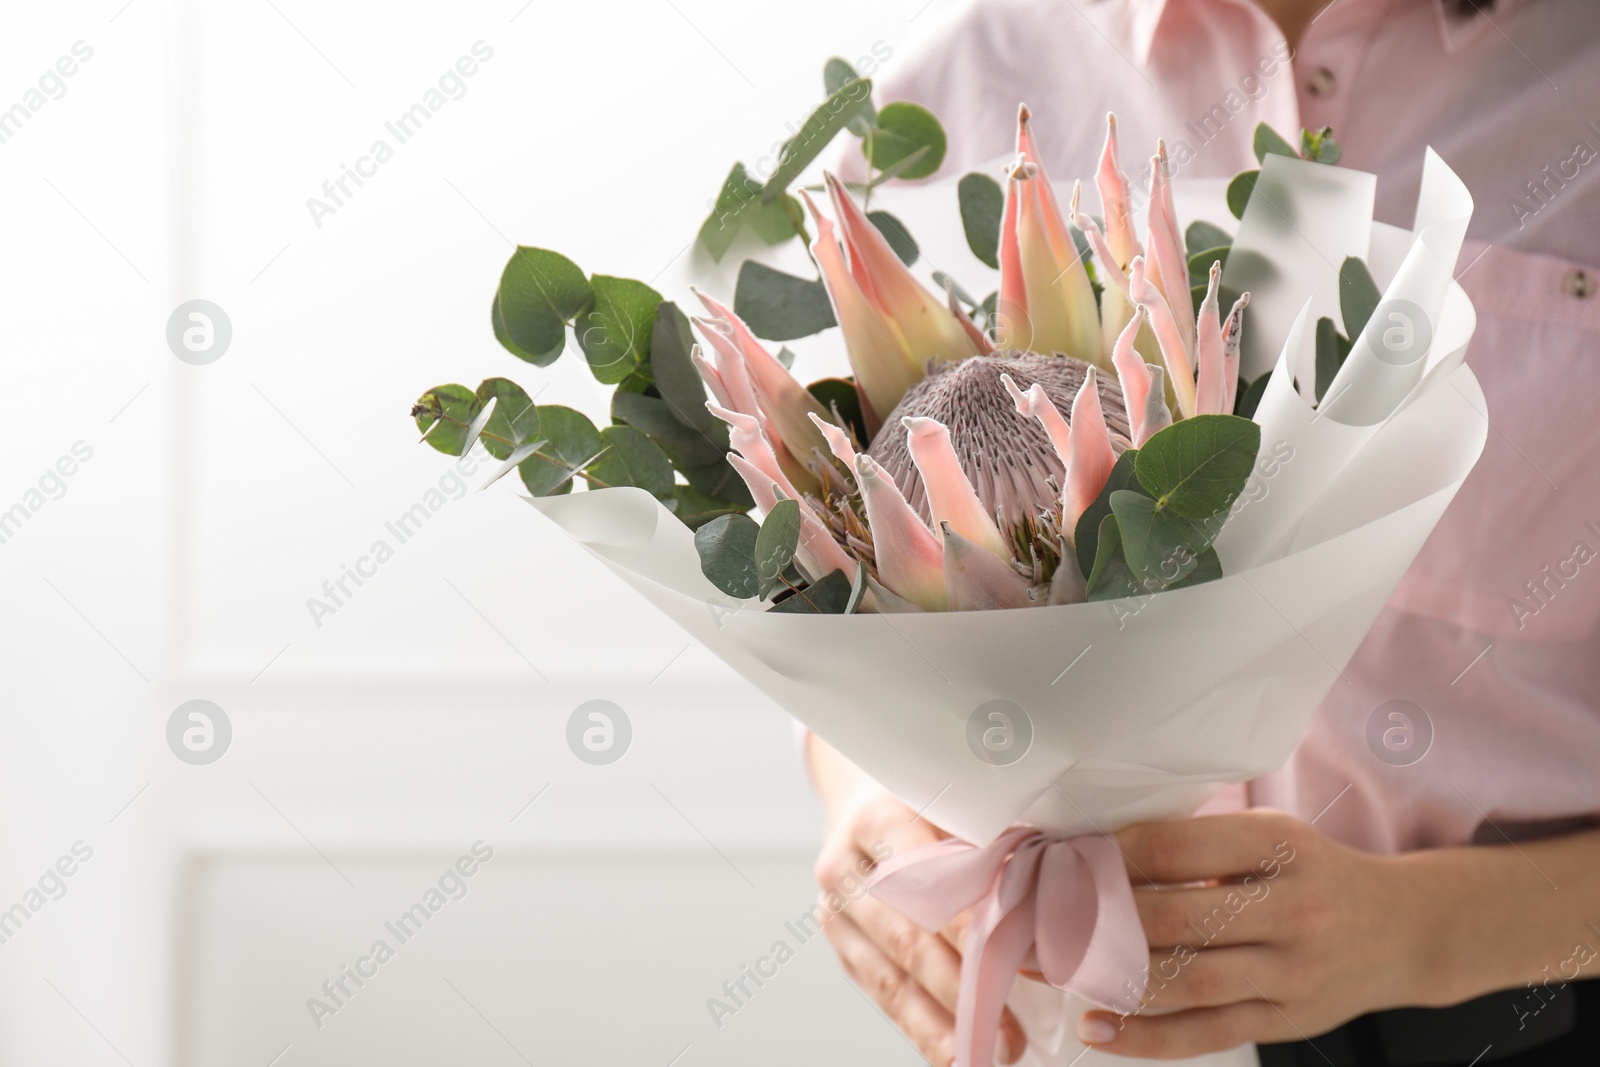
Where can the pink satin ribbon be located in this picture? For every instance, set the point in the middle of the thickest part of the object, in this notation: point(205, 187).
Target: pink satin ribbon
point(1063, 908)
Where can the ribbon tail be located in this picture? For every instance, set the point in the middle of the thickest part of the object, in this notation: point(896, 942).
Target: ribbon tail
point(997, 944)
point(1116, 964)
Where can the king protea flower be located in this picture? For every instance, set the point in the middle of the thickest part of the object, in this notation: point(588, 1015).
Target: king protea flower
point(980, 458)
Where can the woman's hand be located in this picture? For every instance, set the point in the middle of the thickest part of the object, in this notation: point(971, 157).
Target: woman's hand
point(1278, 933)
point(910, 974)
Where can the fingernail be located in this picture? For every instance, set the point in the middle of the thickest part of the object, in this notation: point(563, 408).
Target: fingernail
point(1095, 1030)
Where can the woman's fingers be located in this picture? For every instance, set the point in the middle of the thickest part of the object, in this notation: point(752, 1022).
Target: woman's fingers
point(1210, 916)
point(926, 957)
point(1185, 1033)
point(1255, 844)
point(1210, 979)
point(926, 1022)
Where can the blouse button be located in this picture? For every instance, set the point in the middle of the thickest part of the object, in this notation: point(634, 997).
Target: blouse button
point(1322, 82)
point(1578, 282)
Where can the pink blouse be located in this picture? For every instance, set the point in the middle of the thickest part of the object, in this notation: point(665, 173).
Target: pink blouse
point(1473, 707)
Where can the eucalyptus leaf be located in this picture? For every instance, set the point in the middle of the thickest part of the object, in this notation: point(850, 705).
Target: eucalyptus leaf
point(1250, 395)
point(1267, 142)
point(676, 377)
point(776, 545)
point(694, 508)
point(721, 481)
point(571, 442)
point(1160, 546)
point(631, 458)
point(832, 594)
point(1202, 235)
point(902, 128)
point(1200, 269)
point(443, 414)
point(982, 207)
point(836, 74)
point(779, 306)
point(1197, 467)
point(1239, 191)
point(1107, 544)
point(684, 445)
point(894, 231)
point(1359, 296)
point(727, 548)
point(1086, 535)
point(777, 221)
point(615, 334)
point(815, 134)
point(514, 420)
point(540, 293)
point(1319, 146)
point(739, 195)
point(1328, 355)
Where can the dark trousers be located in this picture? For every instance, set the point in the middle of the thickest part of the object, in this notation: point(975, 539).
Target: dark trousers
point(1549, 1026)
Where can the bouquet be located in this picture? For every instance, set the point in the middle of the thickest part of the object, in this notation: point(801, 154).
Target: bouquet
point(1045, 564)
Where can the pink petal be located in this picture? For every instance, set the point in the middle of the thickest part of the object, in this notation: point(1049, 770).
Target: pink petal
point(930, 329)
point(974, 580)
point(838, 442)
point(1097, 241)
point(883, 365)
point(1036, 404)
point(910, 559)
point(748, 439)
point(1174, 350)
point(1231, 330)
point(1157, 416)
point(980, 342)
point(1092, 457)
point(1131, 370)
point(784, 400)
point(951, 498)
point(709, 375)
point(1067, 585)
point(1116, 199)
point(1169, 264)
point(1208, 351)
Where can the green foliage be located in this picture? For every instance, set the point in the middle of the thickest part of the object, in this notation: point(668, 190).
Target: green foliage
point(727, 548)
point(833, 594)
point(1152, 526)
point(894, 231)
point(631, 458)
point(779, 306)
point(443, 414)
point(1359, 296)
point(983, 205)
point(1239, 191)
point(1267, 142)
point(904, 128)
point(1201, 236)
point(1249, 396)
point(776, 545)
point(615, 333)
point(1319, 146)
point(540, 293)
point(836, 74)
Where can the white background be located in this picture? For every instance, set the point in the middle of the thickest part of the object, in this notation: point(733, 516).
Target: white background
point(370, 752)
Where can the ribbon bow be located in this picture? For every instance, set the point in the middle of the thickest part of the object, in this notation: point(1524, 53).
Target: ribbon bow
point(1063, 908)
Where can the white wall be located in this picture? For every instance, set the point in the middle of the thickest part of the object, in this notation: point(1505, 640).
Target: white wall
point(370, 752)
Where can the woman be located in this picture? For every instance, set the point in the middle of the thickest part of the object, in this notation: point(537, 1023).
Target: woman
point(1441, 811)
